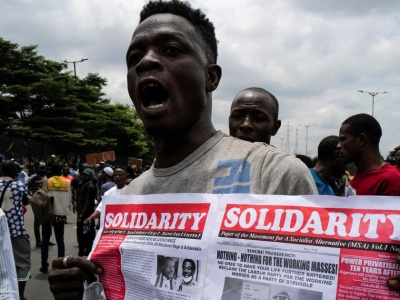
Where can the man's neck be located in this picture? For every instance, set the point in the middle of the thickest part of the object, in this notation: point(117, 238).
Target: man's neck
point(172, 149)
point(369, 161)
point(324, 172)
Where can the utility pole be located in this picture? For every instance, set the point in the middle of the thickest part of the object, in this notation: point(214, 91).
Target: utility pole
point(287, 147)
point(75, 62)
point(282, 143)
point(307, 126)
point(373, 94)
point(297, 142)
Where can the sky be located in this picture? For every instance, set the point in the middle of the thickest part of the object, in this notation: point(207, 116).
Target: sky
point(313, 55)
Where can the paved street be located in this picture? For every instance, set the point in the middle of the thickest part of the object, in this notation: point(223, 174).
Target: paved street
point(37, 288)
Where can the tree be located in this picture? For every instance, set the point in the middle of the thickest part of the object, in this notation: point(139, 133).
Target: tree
point(390, 158)
point(41, 101)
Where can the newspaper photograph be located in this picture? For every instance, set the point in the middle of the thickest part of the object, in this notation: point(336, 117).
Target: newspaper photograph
point(247, 247)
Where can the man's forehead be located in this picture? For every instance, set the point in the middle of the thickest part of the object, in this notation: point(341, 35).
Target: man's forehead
point(163, 23)
point(255, 100)
point(345, 129)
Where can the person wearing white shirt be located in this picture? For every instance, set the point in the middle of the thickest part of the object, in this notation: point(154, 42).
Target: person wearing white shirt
point(120, 176)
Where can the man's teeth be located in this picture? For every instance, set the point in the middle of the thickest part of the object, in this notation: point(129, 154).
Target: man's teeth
point(156, 105)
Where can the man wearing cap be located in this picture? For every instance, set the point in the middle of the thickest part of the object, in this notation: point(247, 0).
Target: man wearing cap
point(51, 162)
point(106, 177)
point(84, 208)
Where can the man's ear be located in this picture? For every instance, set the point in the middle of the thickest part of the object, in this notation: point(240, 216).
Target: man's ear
point(277, 125)
point(363, 139)
point(214, 73)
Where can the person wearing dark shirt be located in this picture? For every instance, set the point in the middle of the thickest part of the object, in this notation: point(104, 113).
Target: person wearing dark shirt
point(34, 184)
point(84, 208)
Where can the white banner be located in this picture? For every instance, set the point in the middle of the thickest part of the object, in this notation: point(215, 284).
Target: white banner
point(242, 247)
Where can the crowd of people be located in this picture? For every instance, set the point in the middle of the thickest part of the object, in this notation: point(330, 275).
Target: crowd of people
point(72, 191)
point(172, 72)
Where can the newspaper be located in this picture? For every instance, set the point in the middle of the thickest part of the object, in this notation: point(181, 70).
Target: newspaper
point(155, 246)
point(248, 247)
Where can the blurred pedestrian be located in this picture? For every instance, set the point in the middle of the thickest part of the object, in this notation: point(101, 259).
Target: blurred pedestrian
point(84, 208)
point(14, 194)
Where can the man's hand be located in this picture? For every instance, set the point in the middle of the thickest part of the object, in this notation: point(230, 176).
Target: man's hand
point(394, 281)
point(66, 282)
point(348, 175)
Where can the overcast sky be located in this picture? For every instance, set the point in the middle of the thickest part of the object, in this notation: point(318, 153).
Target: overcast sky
point(312, 55)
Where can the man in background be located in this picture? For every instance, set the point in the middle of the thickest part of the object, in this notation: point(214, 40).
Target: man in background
point(15, 193)
point(106, 177)
point(397, 158)
point(60, 189)
point(359, 138)
point(84, 208)
point(120, 177)
point(34, 184)
point(328, 165)
point(254, 115)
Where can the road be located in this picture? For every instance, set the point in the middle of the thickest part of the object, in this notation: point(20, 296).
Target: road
point(37, 288)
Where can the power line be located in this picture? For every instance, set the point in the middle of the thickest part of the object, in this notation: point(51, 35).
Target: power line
point(373, 94)
point(75, 62)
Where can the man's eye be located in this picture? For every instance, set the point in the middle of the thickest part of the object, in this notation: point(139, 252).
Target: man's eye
point(133, 59)
point(260, 117)
point(171, 50)
point(236, 116)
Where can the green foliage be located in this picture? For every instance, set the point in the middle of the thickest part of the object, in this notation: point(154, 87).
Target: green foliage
point(40, 100)
point(390, 158)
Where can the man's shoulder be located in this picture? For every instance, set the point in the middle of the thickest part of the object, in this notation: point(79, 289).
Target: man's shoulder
point(392, 174)
point(110, 190)
point(387, 171)
point(236, 145)
point(108, 184)
point(59, 178)
point(17, 187)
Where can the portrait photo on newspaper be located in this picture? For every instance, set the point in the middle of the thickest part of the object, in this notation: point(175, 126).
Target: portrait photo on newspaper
point(177, 274)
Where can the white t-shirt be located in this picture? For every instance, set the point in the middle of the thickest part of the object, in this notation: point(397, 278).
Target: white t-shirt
point(226, 165)
point(114, 191)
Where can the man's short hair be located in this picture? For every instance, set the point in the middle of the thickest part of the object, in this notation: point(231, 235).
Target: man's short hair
point(271, 96)
point(56, 169)
point(305, 159)
point(328, 147)
point(191, 261)
point(366, 124)
point(201, 23)
point(9, 168)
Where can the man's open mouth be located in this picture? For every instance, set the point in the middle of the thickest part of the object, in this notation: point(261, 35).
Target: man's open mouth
point(154, 96)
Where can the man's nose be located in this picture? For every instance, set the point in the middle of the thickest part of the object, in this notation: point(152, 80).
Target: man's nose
point(246, 125)
point(149, 61)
